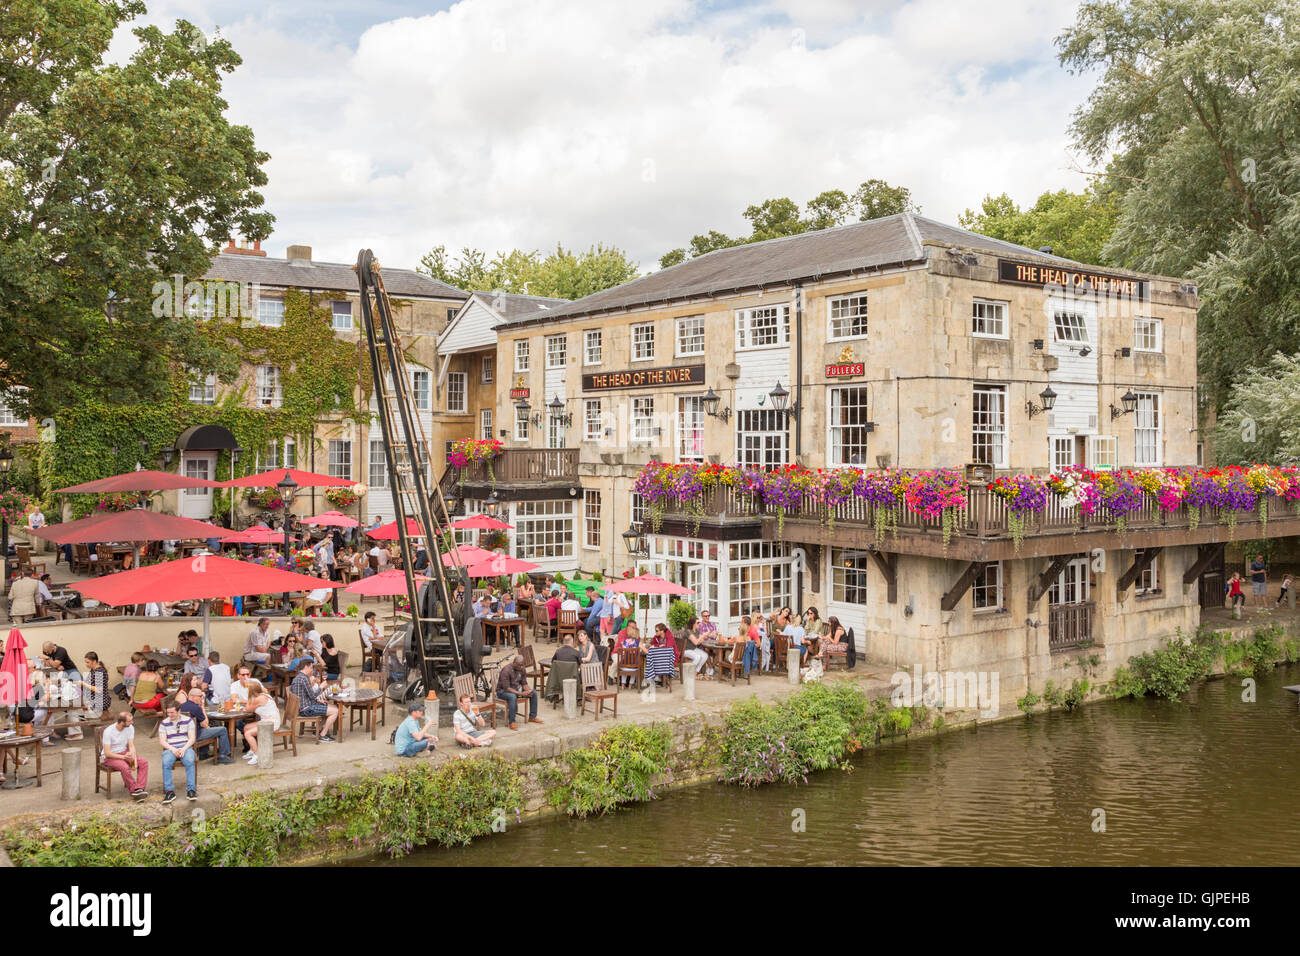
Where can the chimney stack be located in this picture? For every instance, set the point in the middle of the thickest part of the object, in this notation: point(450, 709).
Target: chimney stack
point(243, 248)
point(298, 254)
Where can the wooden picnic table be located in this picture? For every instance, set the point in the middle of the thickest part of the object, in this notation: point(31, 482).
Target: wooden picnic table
point(362, 702)
point(230, 718)
point(11, 748)
point(497, 624)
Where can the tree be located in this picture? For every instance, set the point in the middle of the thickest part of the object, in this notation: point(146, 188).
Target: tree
point(1261, 418)
point(1076, 225)
point(828, 209)
point(672, 257)
point(112, 178)
point(562, 274)
point(1202, 100)
point(711, 240)
point(774, 218)
point(875, 199)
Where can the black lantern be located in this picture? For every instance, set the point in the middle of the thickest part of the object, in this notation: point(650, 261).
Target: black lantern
point(711, 402)
point(1049, 402)
point(491, 505)
point(1130, 403)
point(523, 406)
point(634, 541)
point(6, 460)
point(167, 454)
point(781, 402)
point(556, 408)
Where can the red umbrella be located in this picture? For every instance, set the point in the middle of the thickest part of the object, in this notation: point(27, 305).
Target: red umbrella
point(13, 671)
point(466, 554)
point(137, 524)
point(254, 535)
point(331, 519)
point(143, 480)
point(481, 523)
point(269, 479)
point(385, 583)
point(388, 532)
point(649, 584)
point(499, 565)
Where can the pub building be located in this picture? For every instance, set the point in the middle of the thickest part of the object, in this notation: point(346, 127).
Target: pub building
point(898, 343)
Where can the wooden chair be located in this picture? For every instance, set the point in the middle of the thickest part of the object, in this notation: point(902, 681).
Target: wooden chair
point(371, 680)
point(285, 736)
point(100, 766)
point(595, 690)
point(631, 664)
point(25, 562)
point(298, 722)
point(81, 560)
point(727, 665)
point(535, 670)
point(103, 612)
point(463, 684)
point(375, 655)
point(780, 645)
point(832, 656)
point(566, 623)
point(542, 624)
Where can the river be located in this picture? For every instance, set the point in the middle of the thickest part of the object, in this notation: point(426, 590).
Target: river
point(1209, 780)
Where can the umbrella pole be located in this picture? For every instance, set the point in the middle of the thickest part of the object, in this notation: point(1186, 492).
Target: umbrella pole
point(207, 641)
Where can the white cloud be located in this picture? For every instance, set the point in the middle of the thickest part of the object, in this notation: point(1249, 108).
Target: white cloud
point(500, 123)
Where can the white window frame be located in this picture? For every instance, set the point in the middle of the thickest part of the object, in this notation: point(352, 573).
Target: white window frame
point(689, 335)
point(762, 447)
point(690, 433)
point(270, 318)
point(1103, 453)
point(278, 454)
point(768, 562)
point(850, 576)
point(557, 357)
point(202, 391)
point(336, 314)
point(636, 511)
point(340, 458)
point(1148, 431)
point(485, 423)
point(745, 327)
point(522, 349)
point(1148, 582)
point(988, 588)
point(591, 430)
point(836, 432)
point(590, 519)
point(593, 347)
point(377, 459)
point(1055, 443)
point(995, 428)
point(521, 423)
point(270, 393)
point(542, 529)
point(643, 418)
point(1069, 326)
point(423, 397)
point(845, 306)
point(642, 336)
point(487, 369)
point(1148, 334)
point(453, 389)
point(989, 318)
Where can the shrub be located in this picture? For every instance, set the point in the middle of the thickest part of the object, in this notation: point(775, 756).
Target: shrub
point(620, 767)
point(1168, 671)
point(1028, 702)
point(1077, 693)
point(1053, 696)
point(351, 610)
point(680, 615)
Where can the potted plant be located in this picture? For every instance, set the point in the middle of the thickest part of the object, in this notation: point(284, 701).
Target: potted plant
point(680, 615)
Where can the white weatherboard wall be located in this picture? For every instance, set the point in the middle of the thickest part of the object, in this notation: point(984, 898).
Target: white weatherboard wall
point(1076, 378)
point(379, 501)
point(760, 370)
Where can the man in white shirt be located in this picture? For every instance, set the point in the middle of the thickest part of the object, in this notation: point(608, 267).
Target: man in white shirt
point(36, 519)
point(239, 687)
point(570, 603)
point(219, 678)
point(313, 638)
point(258, 646)
point(43, 589)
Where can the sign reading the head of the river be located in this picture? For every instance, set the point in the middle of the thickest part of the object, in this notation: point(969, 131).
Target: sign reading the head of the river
point(1070, 280)
point(644, 378)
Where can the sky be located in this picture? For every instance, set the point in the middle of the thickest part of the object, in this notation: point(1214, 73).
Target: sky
point(498, 124)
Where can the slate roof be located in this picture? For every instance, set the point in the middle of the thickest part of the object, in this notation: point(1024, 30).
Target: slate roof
point(331, 276)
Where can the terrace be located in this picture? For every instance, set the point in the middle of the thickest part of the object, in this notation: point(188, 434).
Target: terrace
point(514, 474)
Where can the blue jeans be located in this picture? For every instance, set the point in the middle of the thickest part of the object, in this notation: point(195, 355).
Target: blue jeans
point(416, 747)
point(214, 733)
point(169, 761)
point(512, 703)
point(803, 651)
point(750, 657)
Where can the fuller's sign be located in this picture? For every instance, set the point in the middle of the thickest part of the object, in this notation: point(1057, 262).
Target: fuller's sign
point(1070, 280)
point(519, 393)
point(644, 378)
point(846, 369)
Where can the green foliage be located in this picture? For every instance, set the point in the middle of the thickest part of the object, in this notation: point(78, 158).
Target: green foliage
point(562, 274)
point(1076, 225)
point(1169, 671)
point(1201, 99)
point(619, 768)
point(113, 176)
point(1261, 419)
point(773, 218)
point(1028, 702)
point(1077, 693)
point(1053, 696)
point(680, 614)
point(352, 610)
point(446, 805)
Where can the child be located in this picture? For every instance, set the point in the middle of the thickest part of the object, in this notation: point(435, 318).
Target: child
point(132, 671)
point(1234, 589)
point(1286, 586)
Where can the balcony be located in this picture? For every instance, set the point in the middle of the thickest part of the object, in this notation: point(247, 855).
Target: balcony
point(980, 530)
point(517, 473)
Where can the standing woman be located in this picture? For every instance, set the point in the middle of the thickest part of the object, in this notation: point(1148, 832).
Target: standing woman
point(268, 715)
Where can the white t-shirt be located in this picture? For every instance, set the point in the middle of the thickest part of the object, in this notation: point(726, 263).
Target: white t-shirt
point(313, 638)
point(368, 634)
point(153, 609)
point(571, 604)
point(268, 712)
point(795, 633)
point(320, 594)
point(220, 686)
point(238, 691)
point(36, 520)
point(43, 592)
point(115, 740)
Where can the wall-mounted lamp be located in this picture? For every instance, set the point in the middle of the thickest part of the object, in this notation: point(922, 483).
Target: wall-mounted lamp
point(711, 402)
point(634, 541)
point(523, 406)
point(1049, 402)
point(781, 402)
point(1130, 403)
point(1083, 351)
point(1125, 352)
point(167, 454)
point(1037, 343)
point(558, 414)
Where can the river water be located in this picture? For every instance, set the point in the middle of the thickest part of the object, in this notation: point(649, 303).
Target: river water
point(1210, 780)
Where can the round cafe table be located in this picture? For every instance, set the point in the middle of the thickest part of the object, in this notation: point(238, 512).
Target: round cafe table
point(363, 703)
point(230, 718)
point(11, 747)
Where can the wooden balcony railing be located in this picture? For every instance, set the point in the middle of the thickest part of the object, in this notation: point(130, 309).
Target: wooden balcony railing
point(1069, 625)
point(522, 465)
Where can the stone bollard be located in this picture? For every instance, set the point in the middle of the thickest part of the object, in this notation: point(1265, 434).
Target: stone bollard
point(1290, 598)
point(265, 745)
point(688, 679)
point(570, 686)
point(792, 661)
point(1236, 611)
point(71, 773)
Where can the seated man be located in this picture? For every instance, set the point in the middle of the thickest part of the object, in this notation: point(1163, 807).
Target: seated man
point(796, 633)
point(196, 665)
point(570, 603)
point(470, 728)
point(483, 607)
point(512, 683)
point(595, 610)
point(567, 652)
point(310, 693)
point(193, 708)
point(258, 646)
point(412, 737)
point(176, 733)
point(119, 754)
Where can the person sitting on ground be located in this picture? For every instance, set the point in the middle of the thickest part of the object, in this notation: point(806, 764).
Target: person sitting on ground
point(413, 736)
point(148, 694)
point(119, 754)
point(695, 652)
point(268, 715)
point(131, 673)
point(567, 652)
point(470, 728)
point(204, 731)
point(512, 684)
point(258, 646)
point(176, 733)
point(217, 678)
point(312, 699)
